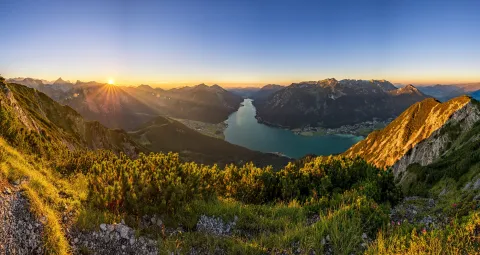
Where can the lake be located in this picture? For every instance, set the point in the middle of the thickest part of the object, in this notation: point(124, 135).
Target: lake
point(244, 130)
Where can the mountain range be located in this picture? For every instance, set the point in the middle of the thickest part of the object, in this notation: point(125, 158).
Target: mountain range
point(33, 111)
point(69, 185)
point(129, 107)
point(330, 103)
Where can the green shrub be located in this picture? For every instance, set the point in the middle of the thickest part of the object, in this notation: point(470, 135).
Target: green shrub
point(156, 183)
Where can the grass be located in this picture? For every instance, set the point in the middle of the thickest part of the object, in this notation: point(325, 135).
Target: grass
point(460, 237)
point(54, 238)
point(43, 188)
point(269, 228)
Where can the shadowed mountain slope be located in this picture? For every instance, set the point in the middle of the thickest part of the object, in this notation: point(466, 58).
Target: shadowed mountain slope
point(330, 103)
point(163, 134)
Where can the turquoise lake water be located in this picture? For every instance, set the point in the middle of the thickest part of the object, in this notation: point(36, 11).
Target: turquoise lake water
point(244, 130)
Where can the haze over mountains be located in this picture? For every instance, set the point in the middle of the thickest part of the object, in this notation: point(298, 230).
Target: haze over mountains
point(129, 107)
point(328, 103)
point(36, 112)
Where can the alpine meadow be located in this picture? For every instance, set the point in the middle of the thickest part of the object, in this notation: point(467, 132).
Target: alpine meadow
point(216, 127)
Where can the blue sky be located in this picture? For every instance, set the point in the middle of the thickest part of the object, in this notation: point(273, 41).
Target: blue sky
point(170, 43)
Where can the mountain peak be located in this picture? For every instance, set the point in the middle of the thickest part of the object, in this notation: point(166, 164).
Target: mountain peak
point(60, 81)
point(144, 87)
point(329, 82)
point(409, 89)
point(414, 125)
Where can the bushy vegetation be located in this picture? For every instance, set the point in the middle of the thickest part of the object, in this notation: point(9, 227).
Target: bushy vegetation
point(160, 183)
point(317, 204)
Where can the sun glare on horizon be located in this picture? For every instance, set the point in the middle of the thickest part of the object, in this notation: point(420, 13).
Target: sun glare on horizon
point(111, 82)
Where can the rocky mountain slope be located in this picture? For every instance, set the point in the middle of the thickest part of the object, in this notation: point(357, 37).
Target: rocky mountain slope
point(96, 202)
point(27, 110)
point(421, 134)
point(330, 103)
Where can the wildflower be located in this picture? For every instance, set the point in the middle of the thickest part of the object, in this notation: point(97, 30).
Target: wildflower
point(424, 231)
point(398, 223)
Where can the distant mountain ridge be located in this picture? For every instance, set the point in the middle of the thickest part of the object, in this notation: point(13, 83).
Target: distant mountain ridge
point(129, 107)
point(330, 103)
point(443, 92)
point(24, 109)
point(266, 91)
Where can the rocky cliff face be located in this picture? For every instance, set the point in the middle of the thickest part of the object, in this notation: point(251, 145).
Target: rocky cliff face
point(441, 140)
point(416, 135)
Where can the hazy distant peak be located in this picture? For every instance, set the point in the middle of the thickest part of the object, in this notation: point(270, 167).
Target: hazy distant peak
point(88, 83)
point(60, 81)
point(409, 89)
point(272, 86)
point(328, 81)
point(144, 87)
point(217, 87)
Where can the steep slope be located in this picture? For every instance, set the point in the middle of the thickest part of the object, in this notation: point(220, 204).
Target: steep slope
point(330, 103)
point(417, 135)
point(43, 121)
point(163, 134)
point(113, 106)
point(204, 103)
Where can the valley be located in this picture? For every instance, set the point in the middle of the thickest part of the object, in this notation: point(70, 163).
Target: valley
point(97, 190)
point(243, 129)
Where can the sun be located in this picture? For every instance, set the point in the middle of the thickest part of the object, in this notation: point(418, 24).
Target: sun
point(111, 82)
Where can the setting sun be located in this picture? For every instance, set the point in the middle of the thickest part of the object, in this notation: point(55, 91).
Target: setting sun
point(111, 82)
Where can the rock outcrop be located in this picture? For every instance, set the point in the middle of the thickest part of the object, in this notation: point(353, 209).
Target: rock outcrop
point(439, 142)
point(384, 148)
point(112, 239)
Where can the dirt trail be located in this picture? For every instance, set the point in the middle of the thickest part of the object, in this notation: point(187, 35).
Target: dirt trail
point(20, 232)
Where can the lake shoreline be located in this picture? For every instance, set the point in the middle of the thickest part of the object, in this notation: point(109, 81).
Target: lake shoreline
point(359, 129)
point(244, 129)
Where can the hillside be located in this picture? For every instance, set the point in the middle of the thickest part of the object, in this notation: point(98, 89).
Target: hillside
point(397, 144)
point(56, 201)
point(163, 134)
point(129, 107)
point(330, 103)
point(43, 122)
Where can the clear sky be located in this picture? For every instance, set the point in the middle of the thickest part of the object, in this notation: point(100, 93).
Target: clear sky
point(180, 42)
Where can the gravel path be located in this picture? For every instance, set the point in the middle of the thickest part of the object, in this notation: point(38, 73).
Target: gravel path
point(20, 232)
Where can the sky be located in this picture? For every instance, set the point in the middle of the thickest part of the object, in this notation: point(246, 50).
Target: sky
point(241, 43)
